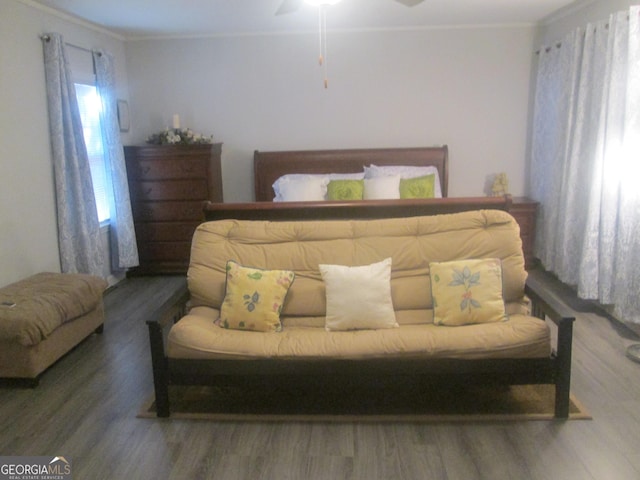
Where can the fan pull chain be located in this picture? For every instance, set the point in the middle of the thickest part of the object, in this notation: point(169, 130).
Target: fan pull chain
point(322, 60)
point(320, 36)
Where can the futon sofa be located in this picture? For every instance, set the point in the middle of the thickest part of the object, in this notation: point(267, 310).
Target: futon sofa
point(442, 297)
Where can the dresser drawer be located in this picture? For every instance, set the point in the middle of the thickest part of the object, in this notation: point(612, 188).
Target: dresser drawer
point(166, 251)
point(153, 169)
point(525, 220)
point(195, 189)
point(167, 211)
point(165, 232)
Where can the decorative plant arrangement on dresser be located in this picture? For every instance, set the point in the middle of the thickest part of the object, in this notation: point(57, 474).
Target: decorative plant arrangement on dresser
point(169, 179)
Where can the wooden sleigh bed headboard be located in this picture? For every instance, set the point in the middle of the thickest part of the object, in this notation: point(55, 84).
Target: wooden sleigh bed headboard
point(269, 166)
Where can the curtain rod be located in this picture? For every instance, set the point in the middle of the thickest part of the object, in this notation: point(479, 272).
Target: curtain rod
point(47, 38)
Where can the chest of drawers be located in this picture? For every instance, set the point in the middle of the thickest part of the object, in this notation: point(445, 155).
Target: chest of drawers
point(168, 185)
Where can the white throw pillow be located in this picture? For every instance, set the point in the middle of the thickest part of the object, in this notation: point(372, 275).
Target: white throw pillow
point(382, 188)
point(359, 297)
point(405, 171)
point(303, 189)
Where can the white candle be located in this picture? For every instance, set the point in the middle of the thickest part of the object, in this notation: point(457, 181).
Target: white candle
point(176, 120)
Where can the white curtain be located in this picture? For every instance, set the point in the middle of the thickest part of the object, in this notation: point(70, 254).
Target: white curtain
point(124, 250)
point(585, 161)
point(78, 226)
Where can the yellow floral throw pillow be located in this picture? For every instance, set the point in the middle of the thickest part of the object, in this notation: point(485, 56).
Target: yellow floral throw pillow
point(467, 291)
point(254, 298)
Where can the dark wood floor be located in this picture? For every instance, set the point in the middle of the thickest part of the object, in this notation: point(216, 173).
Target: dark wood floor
point(85, 409)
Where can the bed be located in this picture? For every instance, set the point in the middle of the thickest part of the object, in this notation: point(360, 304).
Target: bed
point(273, 165)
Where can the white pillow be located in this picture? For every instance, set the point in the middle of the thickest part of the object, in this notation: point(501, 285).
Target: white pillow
point(382, 188)
point(285, 183)
point(405, 171)
point(358, 297)
point(303, 189)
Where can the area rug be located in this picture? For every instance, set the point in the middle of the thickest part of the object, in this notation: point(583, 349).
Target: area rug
point(292, 403)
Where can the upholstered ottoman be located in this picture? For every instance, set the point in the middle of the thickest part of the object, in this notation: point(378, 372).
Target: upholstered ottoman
point(43, 317)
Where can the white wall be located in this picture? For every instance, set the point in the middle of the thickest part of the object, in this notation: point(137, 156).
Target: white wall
point(28, 231)
point(464, 87)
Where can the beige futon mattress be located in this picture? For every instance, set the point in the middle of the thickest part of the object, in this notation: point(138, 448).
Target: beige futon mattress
point(196, 336)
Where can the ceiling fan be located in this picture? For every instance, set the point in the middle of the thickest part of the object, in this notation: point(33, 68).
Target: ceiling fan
point(290, 6)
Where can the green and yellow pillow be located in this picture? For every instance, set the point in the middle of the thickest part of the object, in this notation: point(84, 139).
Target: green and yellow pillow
point(418, 187)
point(467, 291)
point(254, 298)
point(345, 190)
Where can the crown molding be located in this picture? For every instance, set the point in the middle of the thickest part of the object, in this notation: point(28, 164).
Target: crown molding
point(569, 10)
point(71, 18)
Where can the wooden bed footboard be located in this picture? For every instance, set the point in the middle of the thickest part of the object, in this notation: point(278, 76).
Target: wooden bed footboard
point(354, 210)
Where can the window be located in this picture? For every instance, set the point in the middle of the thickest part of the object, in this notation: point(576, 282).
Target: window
point(89, 105)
